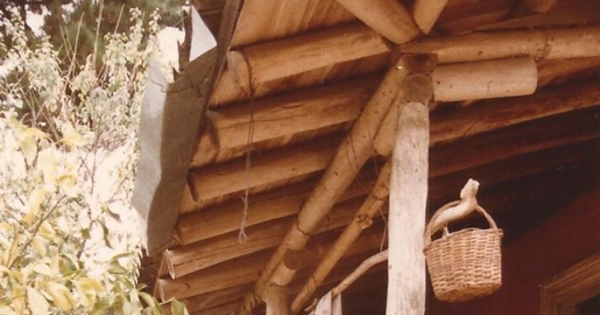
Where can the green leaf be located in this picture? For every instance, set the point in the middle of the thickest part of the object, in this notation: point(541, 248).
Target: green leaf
point(37, 302)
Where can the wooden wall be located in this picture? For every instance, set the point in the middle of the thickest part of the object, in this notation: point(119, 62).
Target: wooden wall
point(564, 239)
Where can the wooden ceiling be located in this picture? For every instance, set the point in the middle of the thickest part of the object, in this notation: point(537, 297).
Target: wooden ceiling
point(298, 76)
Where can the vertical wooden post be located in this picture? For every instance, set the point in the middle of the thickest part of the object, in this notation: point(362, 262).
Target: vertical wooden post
point(277, 300)
point(408, 197)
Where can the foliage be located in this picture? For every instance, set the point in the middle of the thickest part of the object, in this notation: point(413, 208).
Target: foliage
point(67, 245)
point(73, 24)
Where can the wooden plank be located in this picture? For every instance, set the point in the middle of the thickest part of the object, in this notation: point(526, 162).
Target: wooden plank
point(539, 44)
point(388, 17)
point(484, 79)
point(444, 187)
point(536, 135)
point(495, 114)
point(460, 17)
point(284, 116)
point(562, 70)
point(283, 58)
point(570, 13)
point(539, 5)
point(286, 18)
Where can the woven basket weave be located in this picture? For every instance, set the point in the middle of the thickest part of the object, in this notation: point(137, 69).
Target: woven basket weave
point(466, 264)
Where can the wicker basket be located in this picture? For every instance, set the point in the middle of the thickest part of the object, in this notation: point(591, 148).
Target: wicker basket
point(466, 264)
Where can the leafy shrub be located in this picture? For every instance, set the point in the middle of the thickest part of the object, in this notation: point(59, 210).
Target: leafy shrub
point(67, 160)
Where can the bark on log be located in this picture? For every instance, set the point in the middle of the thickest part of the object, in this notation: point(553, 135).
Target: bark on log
point(426, 13)
point(538, 44)
point(408, 198)
point(388, 17)
point(283, 58)
point(485, 79)
point(355, 149)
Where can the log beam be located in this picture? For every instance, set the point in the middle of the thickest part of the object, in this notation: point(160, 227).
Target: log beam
point(426, 13)
point(484, 79)
point(184, 260)
point(539, 44)
point(447, 127)
point(269, 170)
point(354, 151)
point(245, 270)
point(283, 58)
point(284, 116)
point(362, 220)
point(388, 17)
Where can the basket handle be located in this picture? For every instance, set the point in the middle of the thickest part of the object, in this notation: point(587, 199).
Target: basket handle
point(451, 204)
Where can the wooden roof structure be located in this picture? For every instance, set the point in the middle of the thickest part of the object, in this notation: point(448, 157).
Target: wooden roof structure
point(301, 95)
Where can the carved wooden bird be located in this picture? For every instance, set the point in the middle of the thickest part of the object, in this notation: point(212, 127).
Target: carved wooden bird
point(468, 203)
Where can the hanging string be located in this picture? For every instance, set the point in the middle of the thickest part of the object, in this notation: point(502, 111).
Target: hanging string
point(242, 237)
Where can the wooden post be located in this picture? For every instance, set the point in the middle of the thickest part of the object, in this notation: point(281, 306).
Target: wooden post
point(408, 198)
point(277, 300)
point(388, 17)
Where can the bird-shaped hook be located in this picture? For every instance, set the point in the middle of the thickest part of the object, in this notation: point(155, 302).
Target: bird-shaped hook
point(466, 205)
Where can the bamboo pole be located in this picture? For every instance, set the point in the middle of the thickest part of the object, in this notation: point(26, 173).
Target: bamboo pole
point(485, 79)
point(361, 221)
point(354, 151)
point(408, 198)
point(538, 44)
point(388, 17)
point(426, 13)
point(283, 58)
